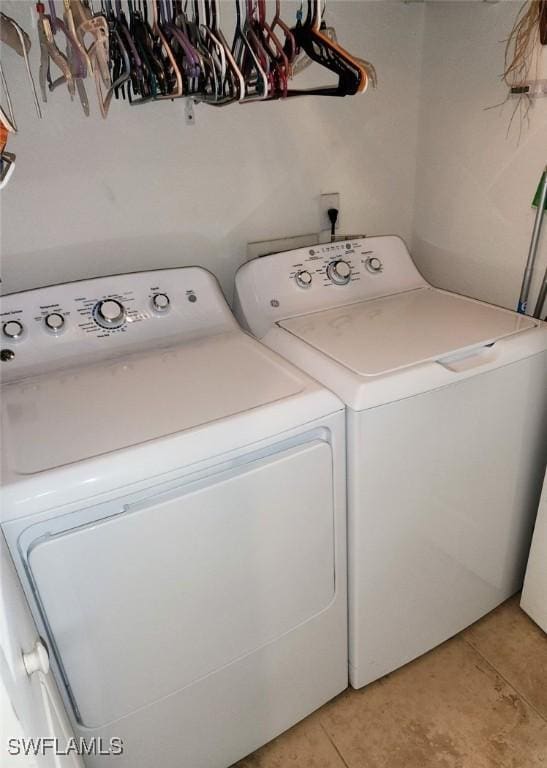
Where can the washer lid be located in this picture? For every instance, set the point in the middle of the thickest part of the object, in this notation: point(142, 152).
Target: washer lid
point(57, 419)
point(391, 333)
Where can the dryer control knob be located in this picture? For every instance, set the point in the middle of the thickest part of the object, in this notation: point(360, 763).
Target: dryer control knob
point(13, 329)
point(109, 313)
point(160, 302)
point(303, 278)
point(54, 322)
point(339, 272)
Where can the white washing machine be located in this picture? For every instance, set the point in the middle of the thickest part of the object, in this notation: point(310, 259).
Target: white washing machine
point(446, 433)
point(174, 503)
point(534, 591)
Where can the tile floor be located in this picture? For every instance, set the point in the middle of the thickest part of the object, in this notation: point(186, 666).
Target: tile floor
point(477, 701)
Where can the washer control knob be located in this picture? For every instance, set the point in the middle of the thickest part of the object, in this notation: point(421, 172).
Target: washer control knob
point(160, 302)
point(303, 278)
point(13, 329)
point(54, 322)
point(339, 272)
point(374, 265)
point(109, 313)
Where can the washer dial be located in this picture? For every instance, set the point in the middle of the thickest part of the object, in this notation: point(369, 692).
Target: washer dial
point(54, 322)
point(13, 329)
point(160, 302)
point(339, 272)
point(303, 278)
point(109, 313)
point(374, 265)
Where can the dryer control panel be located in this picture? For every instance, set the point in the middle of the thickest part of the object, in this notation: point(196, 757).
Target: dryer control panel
point(91, 320)
point(273, 288)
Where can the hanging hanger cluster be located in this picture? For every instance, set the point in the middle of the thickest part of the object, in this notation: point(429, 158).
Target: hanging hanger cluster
point(149, 50)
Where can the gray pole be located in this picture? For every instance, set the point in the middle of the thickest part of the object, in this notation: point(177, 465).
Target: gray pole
point(542, 296)
point(534, 243)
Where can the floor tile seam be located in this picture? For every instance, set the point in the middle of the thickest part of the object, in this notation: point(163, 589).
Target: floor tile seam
point(511, 685)
point(335, 747)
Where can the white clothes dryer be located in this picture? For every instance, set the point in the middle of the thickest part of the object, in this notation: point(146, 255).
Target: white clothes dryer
point(446, 434)
point(174, 502)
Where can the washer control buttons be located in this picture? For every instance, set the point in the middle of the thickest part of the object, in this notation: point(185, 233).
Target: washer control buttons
point(109, 313)
point(303, 278)
point(13, 329)
point(374, 265)
point(339, 272)
point(160, 302)
point(54, 322)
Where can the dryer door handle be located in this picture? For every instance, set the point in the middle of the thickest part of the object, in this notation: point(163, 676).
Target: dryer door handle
point(37, 660)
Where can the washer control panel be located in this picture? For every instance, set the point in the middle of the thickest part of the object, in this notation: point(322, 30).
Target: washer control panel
point(104, 317)
point(334, 264)
point(273, 288)
point(325, 265)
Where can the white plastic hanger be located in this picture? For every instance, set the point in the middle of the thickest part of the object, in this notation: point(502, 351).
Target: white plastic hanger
point(13, 35)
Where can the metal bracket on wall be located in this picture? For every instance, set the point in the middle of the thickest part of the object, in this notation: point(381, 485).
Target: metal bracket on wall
point(531, 88)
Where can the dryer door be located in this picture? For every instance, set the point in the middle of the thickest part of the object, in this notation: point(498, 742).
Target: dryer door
point(30, 704)
point(178, 585)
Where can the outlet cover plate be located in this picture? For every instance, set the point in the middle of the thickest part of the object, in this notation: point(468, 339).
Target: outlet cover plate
point(326, 201)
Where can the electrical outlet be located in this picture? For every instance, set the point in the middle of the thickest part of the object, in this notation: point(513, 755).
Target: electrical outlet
point(326, 201)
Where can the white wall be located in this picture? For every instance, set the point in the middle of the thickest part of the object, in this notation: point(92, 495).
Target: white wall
point(475, 179)
point(144, 190)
